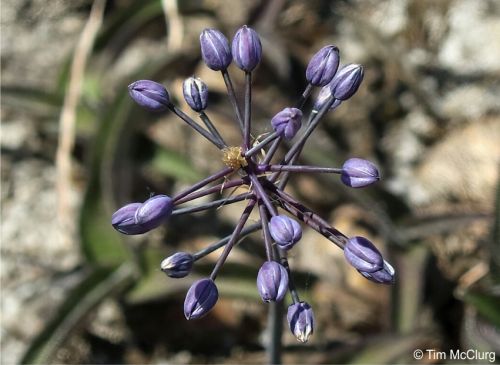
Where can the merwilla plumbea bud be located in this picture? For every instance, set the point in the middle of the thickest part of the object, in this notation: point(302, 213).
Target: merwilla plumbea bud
point(195, 93)
point(287, 122)
point(358, 173)
point(272, 281)
point(247, 49)
point(363, 255)
point(346, 82)
point(215, 49)
point(323, 65)
point(382, 276)
point(300, 318)
point(324, 95)
point(150, 95)
point(200, 298)
point(138, 218)
point(123, 220)
point(154, 211)
point(285, 231)
point(177, 265)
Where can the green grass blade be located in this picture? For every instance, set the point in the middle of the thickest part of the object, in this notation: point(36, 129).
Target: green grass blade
point(97, 285)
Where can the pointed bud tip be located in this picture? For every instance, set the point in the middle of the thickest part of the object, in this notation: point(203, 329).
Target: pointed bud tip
point(386, 275)
point(150, 95)
point(300, 319)
point(272, 281)
point(347, 81)
point(215, 49)
point(177, 265)
point(195, 93)
point(358, 173)
point(246, 49)
point(200, 299)
point(323, 66)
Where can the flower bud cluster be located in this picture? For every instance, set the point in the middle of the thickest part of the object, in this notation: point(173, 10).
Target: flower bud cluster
point(279, 212)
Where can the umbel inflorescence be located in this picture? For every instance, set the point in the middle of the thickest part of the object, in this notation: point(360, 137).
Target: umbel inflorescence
point(265, 180)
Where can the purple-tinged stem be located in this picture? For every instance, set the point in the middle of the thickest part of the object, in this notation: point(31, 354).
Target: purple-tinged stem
point(212, 190)
point(296, 148)
point(275, 325)
point(248, 110)
point(264, 219)
point(234, 238)
point(195, 126)
point(252, 151)
point(225, 171)
point(291, 283)
point(305, 95)
point(311, 219)
point(221, 243)
point(261, 194)
point(211, 127)
point(299, 144)
point(272, 150)
point(215, 204)
point(232, 97)
point(297, 168)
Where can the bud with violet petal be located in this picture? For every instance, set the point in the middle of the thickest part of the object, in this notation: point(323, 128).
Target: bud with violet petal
point(247, 49)
point(200, 298)
point(323, 65)
point(195, 93)
point(346, 82)
point(301, 320)
point(272, 281)
point(382, 276)
point(324, 94)
point(177, 265)
point(154, 211)
point(363, 255)
point(150, 95)
point(285, 231)
point(123, 220)
point(287, 122)
point(358, 173)
point(215, 49)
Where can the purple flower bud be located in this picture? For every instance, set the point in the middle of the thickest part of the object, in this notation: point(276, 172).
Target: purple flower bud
point(382, 276)
point(215, 49)
point(301, 320)
point(154, 211)
point(150, 95)
point(123, 220)
point(177, 265)
point(323, 66)
point(272, 281)
point(346, 82)
point(195, 93)
point(358, 173)
point(287, 122)
point(285, 231)
point(324, 95)
point(363, 255)
point(200, 298)
point(247, 49)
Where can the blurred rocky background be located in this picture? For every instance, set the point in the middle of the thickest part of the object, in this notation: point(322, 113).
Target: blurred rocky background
point(428, 114)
